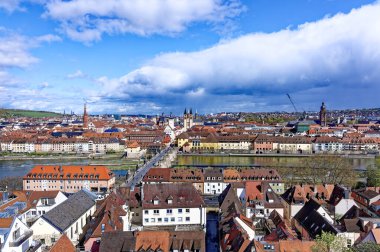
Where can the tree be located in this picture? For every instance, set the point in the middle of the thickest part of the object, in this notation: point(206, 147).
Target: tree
point(328, 242)
point(11, 183)
point(367, 247)
point(328, 170)
point(373, 174)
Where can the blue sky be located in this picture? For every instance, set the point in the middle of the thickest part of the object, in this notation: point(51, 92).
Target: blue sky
point(153, 56)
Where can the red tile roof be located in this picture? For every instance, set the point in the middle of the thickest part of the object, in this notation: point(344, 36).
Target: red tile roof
point(63, 245)
point(77, 172)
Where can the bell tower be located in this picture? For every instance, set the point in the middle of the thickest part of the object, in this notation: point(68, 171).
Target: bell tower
point(85, 117)
point(188, 119)
point(323, 115)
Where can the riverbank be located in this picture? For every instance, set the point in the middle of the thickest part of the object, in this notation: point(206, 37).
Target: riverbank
point(58, 157)
point(285, 155)
point(19, 167)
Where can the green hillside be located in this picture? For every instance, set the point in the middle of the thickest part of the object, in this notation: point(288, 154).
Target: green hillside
point(7, 113)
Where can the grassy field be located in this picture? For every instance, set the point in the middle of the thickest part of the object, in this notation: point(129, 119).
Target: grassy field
point(7, 113)
point(117, 164)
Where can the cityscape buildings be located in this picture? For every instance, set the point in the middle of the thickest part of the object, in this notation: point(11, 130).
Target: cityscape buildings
point(277, 149)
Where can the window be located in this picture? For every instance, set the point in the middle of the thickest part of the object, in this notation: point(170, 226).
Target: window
point(166, 219)
point(159, 220)
point(152, 220)
point(16, 234)
point(179, 219)
point(169, 211)
point(146, 211)
point(187, 210)
point(187, 218)
point(172, 219)
point(156, 211)
point(146, 220)
point(349, 244)
point(180, 210)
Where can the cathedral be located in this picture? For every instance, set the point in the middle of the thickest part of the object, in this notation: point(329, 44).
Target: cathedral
point(188, 119)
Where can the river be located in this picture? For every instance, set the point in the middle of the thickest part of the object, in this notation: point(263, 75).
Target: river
point(14, 168)
point(17, 168)
point(201, 160)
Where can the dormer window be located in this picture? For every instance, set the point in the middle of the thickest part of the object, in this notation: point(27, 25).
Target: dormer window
point(156, 201)
point(170, 200)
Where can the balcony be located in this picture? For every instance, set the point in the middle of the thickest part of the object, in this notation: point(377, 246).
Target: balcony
point(21, 239)
point(34, 247)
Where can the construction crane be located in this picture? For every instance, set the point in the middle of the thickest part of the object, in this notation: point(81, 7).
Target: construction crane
point(294, 106)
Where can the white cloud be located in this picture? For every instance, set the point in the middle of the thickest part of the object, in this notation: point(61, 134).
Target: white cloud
point(14, 51)
point(10, 5)
point(339, 52)
point(87, 20)
point(76, 75)
point(17, 5)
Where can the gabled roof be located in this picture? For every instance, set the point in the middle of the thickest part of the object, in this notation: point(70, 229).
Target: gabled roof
point(187, 240)
point(154, 240)
point(66, 213)
point(118, 241)
point(157, 175)
point(85, 172)
point(312, 221)
point(35, 196)
point(63, 245)
point(184, 195)
point(229, 202)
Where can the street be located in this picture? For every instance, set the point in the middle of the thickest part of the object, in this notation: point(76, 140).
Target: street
point(140, 173)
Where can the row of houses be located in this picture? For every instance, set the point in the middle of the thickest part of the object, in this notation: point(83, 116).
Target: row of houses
point(206, 141)
point(49, 220)
point(253, 214)
point(71, 145)
point(62, 146)
point(213, 181)
point(253, 217)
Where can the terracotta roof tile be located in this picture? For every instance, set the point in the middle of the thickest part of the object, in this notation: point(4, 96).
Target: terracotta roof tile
point(63, 245)
point(152, 240)
point(77, 172)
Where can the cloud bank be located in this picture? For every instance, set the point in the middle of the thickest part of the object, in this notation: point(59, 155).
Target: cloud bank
point(338, 54)
point(88, 20)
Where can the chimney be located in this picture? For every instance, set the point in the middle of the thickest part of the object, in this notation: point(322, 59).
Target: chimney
point(346, 193)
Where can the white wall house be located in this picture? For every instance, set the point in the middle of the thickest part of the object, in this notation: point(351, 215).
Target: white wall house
point(42, 202)
point(213, 182)
point(172, 205)
point(327, 147)
point(17, 237)
point(343, 206)
point(68, 217)
point(174, 216)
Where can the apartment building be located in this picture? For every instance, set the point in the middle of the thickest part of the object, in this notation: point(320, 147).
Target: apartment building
point(172, 205)
point(69, 179)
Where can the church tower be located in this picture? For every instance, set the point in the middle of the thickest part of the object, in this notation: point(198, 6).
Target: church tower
point(323, 115)
point(188, 119)
point(85, 117)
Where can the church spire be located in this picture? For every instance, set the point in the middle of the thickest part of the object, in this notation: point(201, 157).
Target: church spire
point(85, 116)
